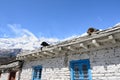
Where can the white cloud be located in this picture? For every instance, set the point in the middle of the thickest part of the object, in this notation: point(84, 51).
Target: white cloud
point(3, 31)
point(16, 28)
point(23, 38)
point(5, 35)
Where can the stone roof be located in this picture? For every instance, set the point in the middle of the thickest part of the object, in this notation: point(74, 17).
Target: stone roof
point(97, 40)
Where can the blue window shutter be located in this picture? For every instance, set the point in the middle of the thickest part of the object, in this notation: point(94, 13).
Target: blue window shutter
point(37, 70)
point(80, 70)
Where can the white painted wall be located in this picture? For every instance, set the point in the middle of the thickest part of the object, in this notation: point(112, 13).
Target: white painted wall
point(53, 69)
point(105, 65)
point(4, 76)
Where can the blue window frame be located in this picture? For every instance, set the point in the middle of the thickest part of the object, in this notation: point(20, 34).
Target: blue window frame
point(37, 70)
point(80, 70)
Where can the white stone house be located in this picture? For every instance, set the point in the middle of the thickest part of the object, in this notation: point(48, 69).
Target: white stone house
point(94, 57)
point(11, 70)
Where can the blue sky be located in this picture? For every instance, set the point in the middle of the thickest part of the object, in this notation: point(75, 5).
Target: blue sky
point(56, 18)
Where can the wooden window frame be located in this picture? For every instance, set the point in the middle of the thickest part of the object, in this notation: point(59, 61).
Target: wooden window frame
point(36, 68)
point(80, 62)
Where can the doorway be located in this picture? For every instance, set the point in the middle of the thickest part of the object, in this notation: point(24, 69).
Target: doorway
point(12, 75)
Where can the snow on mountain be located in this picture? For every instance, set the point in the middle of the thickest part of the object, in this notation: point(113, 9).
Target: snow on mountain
point(118, 24)
point(25, 42)
point(9, 53)
point(22, 38)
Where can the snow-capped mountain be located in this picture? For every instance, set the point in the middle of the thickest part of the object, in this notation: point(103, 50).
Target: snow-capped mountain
point(14, 36)
point(7, 55)
point(25, 42)
point(10, 47)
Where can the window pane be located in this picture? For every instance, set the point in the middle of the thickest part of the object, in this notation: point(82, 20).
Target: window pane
point(79, 70)
point(85, 72)
point(40, 73)
point(37, 73)
point(76, 72)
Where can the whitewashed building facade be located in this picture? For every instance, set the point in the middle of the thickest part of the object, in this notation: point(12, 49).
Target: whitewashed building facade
point(94, 57)
point(11, 70)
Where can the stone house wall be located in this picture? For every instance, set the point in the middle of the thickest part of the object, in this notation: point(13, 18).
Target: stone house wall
point(4, 76)
point(104, 63)
point(53, 69)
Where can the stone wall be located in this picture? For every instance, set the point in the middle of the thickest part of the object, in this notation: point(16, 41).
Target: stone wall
point(4, 76)
point(104, 63)
point(53, 69)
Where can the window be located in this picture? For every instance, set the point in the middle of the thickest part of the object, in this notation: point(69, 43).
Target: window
point(37, 70)
point(80, 70)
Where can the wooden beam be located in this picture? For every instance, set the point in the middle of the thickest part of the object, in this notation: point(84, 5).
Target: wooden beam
point(95, 43)
point(50, 51)
point(17, 58)
point(21, 57)
point(48, 54)
point(64, 49)
point(40, 54)
point(83, 46)
point(55, 51)
point(59, 48)
point(111, 38)
point(24, 57)
point(72, 48)
point(29, 55)
point(33, 54)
